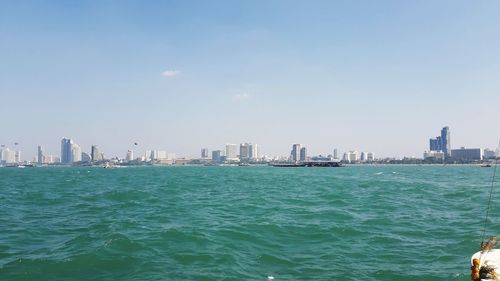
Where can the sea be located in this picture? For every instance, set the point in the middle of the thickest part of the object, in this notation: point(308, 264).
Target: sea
point(357, 222)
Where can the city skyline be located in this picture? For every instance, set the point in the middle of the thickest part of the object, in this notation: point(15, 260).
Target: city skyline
point(181, 75)
point(71, 152)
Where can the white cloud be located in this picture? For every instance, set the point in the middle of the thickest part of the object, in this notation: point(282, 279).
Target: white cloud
point(170, 73)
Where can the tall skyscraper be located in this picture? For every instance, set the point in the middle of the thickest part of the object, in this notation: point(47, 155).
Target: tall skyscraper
point(95, 154)
point(244, 151)
point(335, 154)
point(17, 156)
point(445, 141)
point(76, 153)
point(40, 155)
point(66, 150)
point(231, 152)
point(295, 153)
point(204, 153)
point(253, 151)
point(7, 156)
point(303, 154)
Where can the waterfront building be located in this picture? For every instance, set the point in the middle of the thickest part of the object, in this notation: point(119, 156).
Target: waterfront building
point(244, 151)
point(85, 157)
point(157, 155)
point(433, 155)
point(253, 151)
point(17, 156)
point(467, 154)
point(363, 157)
point(40, 159)
point(335, 154)
point(489, 154)
point(303, 154)
point(130, 155)
point(370, 157)
point(204, 153)
point(217, 155)
point(76, 153)
point(95, 154)
point(51, 159)
point(231, 152)
point(295, 153)
point(66, 150)
point(7, 156)
point(435, 144)
point(352, 156)
point(445, 141)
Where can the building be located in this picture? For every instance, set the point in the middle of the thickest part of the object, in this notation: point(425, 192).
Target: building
point(445, 141)
point(51, 159)
point(76, 153)
point(130, 155)
point(204, 153)
point(253, 151)
point(295, 153)
point(303, 154)
point(217, 155)
point(66, 150)
point(489, 154)
point(231, 152)
point(352, 156)
point(335, 154)
point(434, 155)
point(370, 157)
point(244, 151)
point(95, 154)
point(442, 142)
point(17, 156)
point(85, 157)
point(435, 144)
point(7, 156)
point(467, 154)
point(40, 159)
point(363, 157)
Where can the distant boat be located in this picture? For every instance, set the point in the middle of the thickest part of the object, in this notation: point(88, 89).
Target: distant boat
point(486, 166)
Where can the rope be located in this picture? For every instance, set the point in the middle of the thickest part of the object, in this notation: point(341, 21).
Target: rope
point(489, 201)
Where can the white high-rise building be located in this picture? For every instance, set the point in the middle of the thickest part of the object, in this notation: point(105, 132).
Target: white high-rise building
point(231, 152)
point(7, 156)
point(76, 153)
point(130, 155)
point(352, 156)
point(253, 151)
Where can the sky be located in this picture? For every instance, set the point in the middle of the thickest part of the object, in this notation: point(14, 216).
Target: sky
point(380, 76)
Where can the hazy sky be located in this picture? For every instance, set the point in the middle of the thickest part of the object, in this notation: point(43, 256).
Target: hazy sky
point(381, 76)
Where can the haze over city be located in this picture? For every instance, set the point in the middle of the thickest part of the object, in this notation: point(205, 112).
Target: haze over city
point(382, 77)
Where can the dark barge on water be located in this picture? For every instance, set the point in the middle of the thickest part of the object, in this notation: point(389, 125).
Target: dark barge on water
point(310, 164)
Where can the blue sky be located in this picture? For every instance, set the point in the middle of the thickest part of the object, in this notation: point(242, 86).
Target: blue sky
point(381, 76)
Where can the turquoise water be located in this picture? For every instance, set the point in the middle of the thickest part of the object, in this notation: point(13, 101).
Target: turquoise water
point(243, 223)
